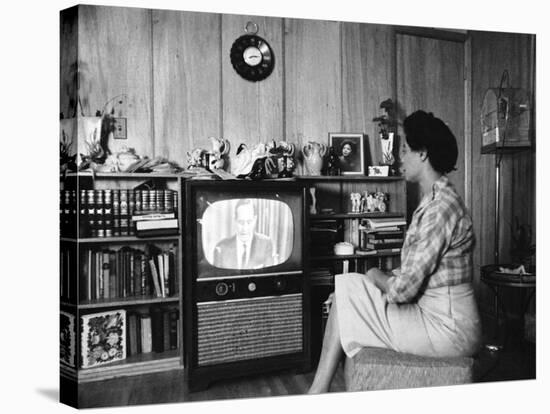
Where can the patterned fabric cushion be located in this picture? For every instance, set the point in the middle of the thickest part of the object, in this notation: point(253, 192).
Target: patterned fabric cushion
point(382, 369)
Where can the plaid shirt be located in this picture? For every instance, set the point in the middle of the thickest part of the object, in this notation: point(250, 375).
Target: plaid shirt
point(438, 246)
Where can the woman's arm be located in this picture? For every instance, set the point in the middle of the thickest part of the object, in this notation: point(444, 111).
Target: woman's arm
point(379, 278)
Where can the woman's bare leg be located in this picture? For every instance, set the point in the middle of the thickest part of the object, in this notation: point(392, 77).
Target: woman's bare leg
point(331, 354)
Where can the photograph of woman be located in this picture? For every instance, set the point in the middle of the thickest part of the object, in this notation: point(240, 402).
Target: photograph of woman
point(349, 149)
point(427, 306)
point(348, 156)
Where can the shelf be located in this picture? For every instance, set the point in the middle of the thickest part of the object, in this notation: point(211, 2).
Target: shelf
point(339, 178)
point(125, 175)
point(130, 301)
point(508, 147)
point(354, 215)
point(122, 239)
point(135, 365)
point(354, 256)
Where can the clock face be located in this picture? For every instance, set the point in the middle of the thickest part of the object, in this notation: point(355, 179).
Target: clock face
point(252, 58)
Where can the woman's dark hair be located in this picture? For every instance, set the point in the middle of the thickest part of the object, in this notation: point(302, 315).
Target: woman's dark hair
point(423, 131)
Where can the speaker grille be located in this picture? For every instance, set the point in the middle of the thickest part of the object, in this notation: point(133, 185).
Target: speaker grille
point(237, 330)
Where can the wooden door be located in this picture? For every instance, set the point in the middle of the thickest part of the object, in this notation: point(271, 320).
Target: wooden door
point(430, 76)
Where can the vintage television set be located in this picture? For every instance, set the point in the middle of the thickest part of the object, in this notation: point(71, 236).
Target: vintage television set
point(246, 296)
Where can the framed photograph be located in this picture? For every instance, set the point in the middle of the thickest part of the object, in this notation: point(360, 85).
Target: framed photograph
point(350, 150)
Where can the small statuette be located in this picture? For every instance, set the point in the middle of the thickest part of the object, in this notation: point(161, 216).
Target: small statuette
point(313, 206)
point(355, 202)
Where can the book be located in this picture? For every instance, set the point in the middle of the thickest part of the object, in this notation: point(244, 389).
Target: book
point(103, 338)
point(166, 329)
point(132, 334)
point(157, 336)
point(106, 266)
point(146, 335)
point(116, 212)
point(67, 339)
point(155, 277)
point(381, 223)
point(124, 213)
point(153, 216)
point(379, 246)
point(383, 240)
point(113, 274)
point(384, 234)
point(156, 224)
point(157, 232)
point(166, 272)
point(174, 329)
point(162, 283)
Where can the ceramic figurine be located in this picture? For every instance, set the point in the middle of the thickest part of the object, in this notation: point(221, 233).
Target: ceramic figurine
point(370, 203)
point(355, 202)
point(380, 200)
point(313, 206)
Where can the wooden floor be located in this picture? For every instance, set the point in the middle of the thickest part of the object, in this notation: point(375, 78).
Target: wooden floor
point(170, 387)
point(515, 362)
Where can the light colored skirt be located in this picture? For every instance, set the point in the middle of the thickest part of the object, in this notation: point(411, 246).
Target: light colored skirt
point(443, 323)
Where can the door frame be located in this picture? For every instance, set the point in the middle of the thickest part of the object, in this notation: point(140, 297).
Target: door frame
point(459, 36)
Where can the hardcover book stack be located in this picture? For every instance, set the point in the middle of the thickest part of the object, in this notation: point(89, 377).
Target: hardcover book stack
point(128, 272)
point(114, 212)
point(381, 235)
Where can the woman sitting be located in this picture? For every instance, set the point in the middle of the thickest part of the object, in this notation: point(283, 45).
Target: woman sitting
point(427, 306)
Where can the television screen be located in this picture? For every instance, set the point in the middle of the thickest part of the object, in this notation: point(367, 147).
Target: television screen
point(247, 233)
point(246, 229)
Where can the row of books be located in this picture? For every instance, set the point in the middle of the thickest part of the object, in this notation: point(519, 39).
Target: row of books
point(107, 213)
point(128, 272)
point(156, 331)
point(113, 335)
point(381, 235)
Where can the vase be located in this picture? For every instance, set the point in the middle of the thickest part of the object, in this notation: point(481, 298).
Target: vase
point(313, 157)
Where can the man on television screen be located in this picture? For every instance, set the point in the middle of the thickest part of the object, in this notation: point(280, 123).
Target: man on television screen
point(246, 249)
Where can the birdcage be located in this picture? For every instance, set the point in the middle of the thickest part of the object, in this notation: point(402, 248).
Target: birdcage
point(505, 116)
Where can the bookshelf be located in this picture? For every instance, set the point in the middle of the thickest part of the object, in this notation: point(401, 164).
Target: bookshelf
point(87, 289)
point(332, 213)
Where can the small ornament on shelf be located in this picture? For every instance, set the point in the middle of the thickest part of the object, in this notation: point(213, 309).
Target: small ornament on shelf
point(355, 202)
point(313, 153)
point(386, 131)
point(313, 206)
point(333, 167)
point(375, 202)
point(280, 159)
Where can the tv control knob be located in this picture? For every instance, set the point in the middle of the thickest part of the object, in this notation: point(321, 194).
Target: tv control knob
point(222, 289)
point(280, 284)
point(252, 286)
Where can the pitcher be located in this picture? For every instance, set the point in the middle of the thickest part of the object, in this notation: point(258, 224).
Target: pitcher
point(313, 157)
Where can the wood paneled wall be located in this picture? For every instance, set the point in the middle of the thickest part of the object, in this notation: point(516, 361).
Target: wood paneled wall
point(180, 88)
point(186, 82)
point(114, 54)
point(492, 53)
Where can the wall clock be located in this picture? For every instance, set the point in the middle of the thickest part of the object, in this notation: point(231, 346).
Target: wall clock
point(251, 56)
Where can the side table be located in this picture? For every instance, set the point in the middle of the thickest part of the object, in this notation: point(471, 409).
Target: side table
point(495, 279)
